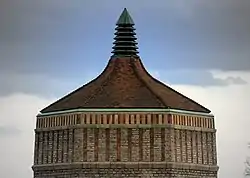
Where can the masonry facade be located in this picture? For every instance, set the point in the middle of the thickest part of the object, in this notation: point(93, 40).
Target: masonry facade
point(120, 139)
point(133, 144)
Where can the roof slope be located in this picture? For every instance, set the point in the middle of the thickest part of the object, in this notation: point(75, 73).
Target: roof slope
point(125, 83)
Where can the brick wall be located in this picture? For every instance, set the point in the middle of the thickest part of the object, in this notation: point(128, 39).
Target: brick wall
point(130, 138)
point(108, 170)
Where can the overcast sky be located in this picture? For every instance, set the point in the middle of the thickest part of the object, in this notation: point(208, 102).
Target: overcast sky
point(50, 47)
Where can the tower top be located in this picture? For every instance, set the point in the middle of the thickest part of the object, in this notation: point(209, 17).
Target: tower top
point(125, 18)
point(125, 83)
point(125, 41)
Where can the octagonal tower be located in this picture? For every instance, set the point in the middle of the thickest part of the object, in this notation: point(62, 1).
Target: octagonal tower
point(125, 123)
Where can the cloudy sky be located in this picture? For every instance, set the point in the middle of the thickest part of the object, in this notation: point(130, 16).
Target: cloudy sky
point(50, 47)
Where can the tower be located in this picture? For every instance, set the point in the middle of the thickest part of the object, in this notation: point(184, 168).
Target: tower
point(125, 123)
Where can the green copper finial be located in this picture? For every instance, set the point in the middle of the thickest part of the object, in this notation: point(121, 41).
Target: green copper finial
point(125, 18)
point(125, 41)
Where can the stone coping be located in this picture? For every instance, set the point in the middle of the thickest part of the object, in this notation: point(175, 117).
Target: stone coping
point(125, 165)
point(126, 110)
point(145, 126)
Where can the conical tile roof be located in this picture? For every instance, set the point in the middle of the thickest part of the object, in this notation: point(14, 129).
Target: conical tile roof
point(125, 83)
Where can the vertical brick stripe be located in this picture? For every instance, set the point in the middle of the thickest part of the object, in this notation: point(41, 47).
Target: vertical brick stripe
point(163, 144)
point(204, 147)
point(96, 146)
point(194, 147)
point(151, 144)
point(146, 144)
point(118, 144)
point(135, 145)
point(71, 145)
point(36, 149)
point(113, 144)
point(210, 149)
point(124, 144)
point(40, 147)
point(45, 149)
point(60, 145)
point(214, 148)
point(168, 145)
point(189, 147)
point(199, 147)
point(102, 145)
point(157, 144)
point(65, 146)
point(90, 145)
point(184, 145)
point(140, 145)
point(129, 144)
point(78, 145)
point(85, 143)
point(178, 146)
point(107, 144)
point(50, 148)
point(68, 146)
point(173, 144)
point(55, 146)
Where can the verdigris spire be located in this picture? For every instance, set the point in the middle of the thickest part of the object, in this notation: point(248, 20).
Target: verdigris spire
point(125, 41)
point(125, 18)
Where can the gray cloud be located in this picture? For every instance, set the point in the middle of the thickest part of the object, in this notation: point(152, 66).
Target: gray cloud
point(235, 80)
point(45, 42)
point(200, 34)
point(45, 86)
point(198, 77)
point(39, 84)
point(215, 35)
point(9, 131)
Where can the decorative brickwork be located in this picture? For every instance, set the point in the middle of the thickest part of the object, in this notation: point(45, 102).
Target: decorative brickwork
point(127, 139)
point(131, 170)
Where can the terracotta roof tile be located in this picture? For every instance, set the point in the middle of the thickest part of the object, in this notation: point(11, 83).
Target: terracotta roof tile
point(125, 83)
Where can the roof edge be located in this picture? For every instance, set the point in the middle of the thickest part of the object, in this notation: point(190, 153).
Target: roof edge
point(161, 83)
point(44, 110)
point(126, 110)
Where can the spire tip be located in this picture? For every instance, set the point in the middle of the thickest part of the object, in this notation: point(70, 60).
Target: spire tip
point(125, 18)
